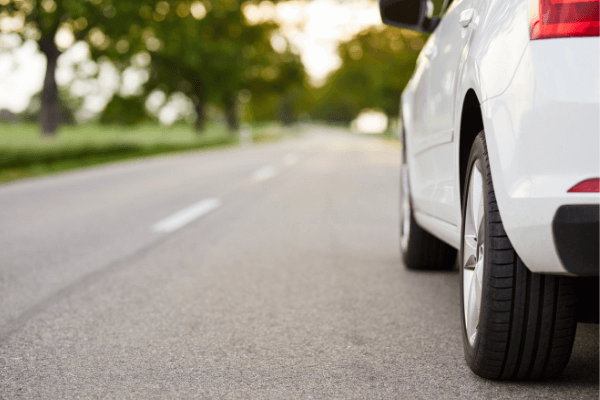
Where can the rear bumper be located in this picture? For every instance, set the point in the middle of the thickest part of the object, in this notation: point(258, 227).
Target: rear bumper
point(576, 231)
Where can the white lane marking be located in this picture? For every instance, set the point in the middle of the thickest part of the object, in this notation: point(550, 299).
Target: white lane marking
point(290, 159)
point(264, 173)
point(186, 215)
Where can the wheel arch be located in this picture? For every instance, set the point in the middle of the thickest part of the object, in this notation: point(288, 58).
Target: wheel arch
point(471, 123)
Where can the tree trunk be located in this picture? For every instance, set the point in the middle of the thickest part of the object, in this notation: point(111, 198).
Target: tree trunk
point(200, 117)
point(49, 117)
point(231, 113)
point(286, 110)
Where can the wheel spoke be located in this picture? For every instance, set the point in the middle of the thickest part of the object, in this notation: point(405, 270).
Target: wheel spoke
point(473, 209)
point(476, 198)
point(481, 232)
point(470, 228)
point(467, 278)
point(472, 315)
point(479, 273)
point(473, 336)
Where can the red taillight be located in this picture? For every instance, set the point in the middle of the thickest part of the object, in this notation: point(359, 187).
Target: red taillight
point(563, 18)
point(587, 186)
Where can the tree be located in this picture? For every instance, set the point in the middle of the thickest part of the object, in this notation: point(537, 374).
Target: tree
point(202, 49)
point(42, 20)
point(376, 66)
point(277, 86)
point(97, 22)
point(209, 52)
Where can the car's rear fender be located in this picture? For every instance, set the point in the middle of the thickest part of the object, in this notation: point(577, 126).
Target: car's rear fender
point(543, 139)
point(501, 36)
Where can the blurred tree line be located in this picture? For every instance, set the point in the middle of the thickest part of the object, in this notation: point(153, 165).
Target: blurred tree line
point(376, 66)
point(205, 50)
point(209, 53)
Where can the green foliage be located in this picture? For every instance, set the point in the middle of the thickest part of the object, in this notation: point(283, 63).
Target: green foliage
point(124, 111)
point(212, 58)
point(376, 66)
point(206, 50)
point(43, 18)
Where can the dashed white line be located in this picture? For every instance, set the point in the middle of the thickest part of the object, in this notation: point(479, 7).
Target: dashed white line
point(186, 215)
point(264, 173)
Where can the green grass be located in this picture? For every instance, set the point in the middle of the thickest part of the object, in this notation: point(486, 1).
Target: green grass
point(388, 134)
point(24, 153)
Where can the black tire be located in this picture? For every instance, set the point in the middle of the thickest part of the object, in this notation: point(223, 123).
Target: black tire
point(419, 249)
point(526, 323)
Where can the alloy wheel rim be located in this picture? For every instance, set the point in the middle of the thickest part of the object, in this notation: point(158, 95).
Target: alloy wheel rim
point(473, 253)
point(405, 209)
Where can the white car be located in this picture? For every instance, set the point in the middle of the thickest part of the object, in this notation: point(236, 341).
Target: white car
point(501, 129)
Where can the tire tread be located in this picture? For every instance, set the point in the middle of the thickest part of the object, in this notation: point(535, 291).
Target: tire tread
point(528, 320)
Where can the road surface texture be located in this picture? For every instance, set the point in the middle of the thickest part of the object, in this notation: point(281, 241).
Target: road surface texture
point(261, 272)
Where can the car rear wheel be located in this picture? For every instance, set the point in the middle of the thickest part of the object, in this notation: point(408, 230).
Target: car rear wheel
point(516, 324)
point(418, 248)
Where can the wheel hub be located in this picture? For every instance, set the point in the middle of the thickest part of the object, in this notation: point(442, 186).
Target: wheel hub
point(473, 259)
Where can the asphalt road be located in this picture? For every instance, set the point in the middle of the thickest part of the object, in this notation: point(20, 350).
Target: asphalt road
point(280, 278)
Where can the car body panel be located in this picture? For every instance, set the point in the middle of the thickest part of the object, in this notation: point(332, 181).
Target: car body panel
point(453, 43)
point(540, 117)
point(501, 22)
point(543, 138)
point(435, 196)
point(449, 50)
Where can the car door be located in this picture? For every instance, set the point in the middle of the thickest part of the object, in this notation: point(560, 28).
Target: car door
point(450, 49)
point(422, 168)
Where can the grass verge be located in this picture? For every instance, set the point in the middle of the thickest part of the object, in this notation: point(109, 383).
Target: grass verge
point(23, 153)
